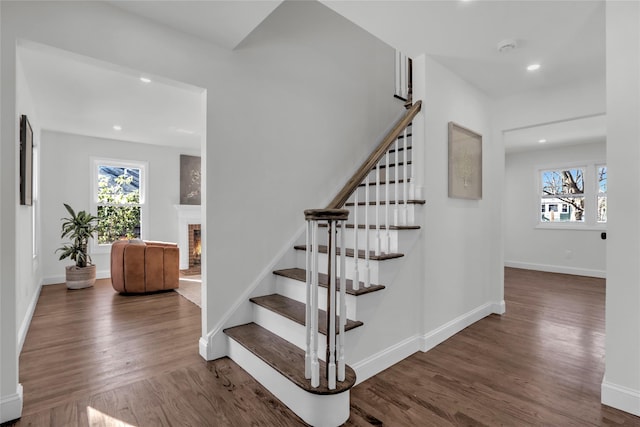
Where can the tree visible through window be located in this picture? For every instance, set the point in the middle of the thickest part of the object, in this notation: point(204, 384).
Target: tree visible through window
point(119, 203)
point(602, 194)
point(563, 186)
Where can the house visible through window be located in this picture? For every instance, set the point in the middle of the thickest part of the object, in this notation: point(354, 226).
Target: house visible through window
point(119, 200)
point(563, 187)
point(574, 195)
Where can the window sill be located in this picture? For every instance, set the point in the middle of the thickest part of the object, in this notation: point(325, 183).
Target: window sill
point(565, 226)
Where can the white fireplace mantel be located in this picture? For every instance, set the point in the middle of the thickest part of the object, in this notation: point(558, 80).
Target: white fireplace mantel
point(187, 214)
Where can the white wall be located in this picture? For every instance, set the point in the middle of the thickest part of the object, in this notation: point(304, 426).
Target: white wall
point(543, 249)
point(289, 115)
point(462, 266)
point(28, 268)
point(66, 178)
point(621, 383)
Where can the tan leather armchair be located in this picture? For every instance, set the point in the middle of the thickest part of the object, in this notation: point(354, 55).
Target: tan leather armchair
point(144, 266)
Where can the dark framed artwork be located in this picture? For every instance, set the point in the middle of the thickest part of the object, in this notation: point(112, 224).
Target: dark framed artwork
point(190, 174)
point(465, 163)
point(26, 162)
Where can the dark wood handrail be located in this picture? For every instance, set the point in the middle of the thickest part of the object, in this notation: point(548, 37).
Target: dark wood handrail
point(374, 158)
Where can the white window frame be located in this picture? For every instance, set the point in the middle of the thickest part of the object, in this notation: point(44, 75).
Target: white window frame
point(590, 196)
point(143, 166)
point(597, 190)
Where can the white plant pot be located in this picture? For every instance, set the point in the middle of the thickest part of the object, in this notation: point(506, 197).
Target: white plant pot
point(79, 278)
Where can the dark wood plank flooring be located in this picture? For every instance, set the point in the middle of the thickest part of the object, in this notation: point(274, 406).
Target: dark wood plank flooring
point(93, 357)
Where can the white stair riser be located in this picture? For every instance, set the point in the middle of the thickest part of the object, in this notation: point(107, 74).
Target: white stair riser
point(382, 195)
point(296, 290)
point(392, 171)
point(380, 272)
point(400, 153)
point(406, 214)
point(315, 409)
point(322, 267)
point(394, 242)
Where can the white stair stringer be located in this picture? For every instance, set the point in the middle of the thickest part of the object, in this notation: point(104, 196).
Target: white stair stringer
point(315, 409)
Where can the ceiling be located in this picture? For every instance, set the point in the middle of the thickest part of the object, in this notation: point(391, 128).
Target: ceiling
point(566, 37)
point(75, 94)
point(569, 132)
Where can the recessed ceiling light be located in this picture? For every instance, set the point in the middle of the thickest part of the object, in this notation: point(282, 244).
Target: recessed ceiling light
point(542, 141)
point(117, 127)
point(145, 80)
point(533, 67)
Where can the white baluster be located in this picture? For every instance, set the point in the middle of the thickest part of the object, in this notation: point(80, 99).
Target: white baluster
point(356, 272)
point(331, 309)
point(378, 239)
point(315, 365)
point(367, 246)
point(307, 353)
point(387, 222)
point(396, 210)
point(343, 305)
point(405, 186)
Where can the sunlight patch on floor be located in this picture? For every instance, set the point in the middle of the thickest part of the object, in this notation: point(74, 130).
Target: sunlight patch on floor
point(97, 418)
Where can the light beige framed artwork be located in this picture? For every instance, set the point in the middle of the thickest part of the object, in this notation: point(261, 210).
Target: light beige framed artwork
point(465, 163)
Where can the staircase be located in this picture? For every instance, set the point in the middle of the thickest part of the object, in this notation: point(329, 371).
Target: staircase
point(278, 347)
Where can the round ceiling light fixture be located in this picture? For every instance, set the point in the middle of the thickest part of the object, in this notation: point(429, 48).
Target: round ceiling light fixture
point(506, 45)
point(533, 67)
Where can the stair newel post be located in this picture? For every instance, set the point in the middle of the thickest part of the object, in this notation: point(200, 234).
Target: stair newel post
point(378, 239)
point(367, 245)
point(312, 297)
point(405, 185)
point(356, 271)
point(331, 308)
point(343, 303)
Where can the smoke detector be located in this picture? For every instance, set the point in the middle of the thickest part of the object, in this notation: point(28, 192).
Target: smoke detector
point(506, 45)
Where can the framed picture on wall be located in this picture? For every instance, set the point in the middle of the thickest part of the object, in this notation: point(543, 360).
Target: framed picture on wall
point(465, 163)
point(26, 162)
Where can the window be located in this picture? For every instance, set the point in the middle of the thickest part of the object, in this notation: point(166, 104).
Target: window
point(575, 196)
point(602, 194)
point(563, 186)
point(118, 195)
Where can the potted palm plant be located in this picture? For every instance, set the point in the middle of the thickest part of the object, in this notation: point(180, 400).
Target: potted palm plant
point(78, 228)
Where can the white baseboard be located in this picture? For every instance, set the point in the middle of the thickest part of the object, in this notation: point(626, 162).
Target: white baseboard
point(380, 361)
point(11, 406)
point(557, 269)
point(449, 329)
point(620, 397)
point(56, 280)
point(26, 321)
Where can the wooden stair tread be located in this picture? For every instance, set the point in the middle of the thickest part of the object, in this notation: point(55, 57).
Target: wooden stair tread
point(300, 274)
point(296, 311)
point(350, 253)
point(391, 202)
point(393, 165)
point(400, 181)
point(393, 150)
point(285, 357)
point(382, 227)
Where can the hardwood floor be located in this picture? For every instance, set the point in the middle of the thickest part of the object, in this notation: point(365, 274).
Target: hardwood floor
point(93, 357)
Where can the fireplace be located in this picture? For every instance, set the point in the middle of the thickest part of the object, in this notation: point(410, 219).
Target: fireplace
point(188, 215)
point(195, 247)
